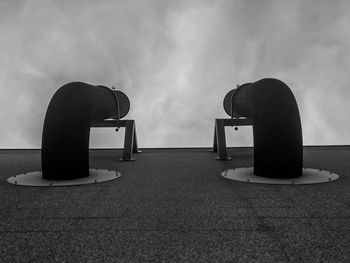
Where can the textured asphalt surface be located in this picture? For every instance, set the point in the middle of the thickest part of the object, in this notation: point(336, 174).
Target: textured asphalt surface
point(172, 205)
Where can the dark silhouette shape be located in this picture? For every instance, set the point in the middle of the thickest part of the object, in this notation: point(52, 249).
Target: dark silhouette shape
point(278, 146)
point(66, 132)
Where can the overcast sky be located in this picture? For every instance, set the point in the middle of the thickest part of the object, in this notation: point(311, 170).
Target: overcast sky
point(175, 60)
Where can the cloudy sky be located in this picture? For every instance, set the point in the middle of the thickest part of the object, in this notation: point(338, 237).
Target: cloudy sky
point(175, 60)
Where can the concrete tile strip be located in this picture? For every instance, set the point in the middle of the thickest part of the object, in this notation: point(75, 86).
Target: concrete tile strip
point(310, 176)
point(35, 179)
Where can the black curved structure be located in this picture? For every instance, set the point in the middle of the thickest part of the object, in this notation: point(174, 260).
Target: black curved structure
point(278, 145)
point(66, 132)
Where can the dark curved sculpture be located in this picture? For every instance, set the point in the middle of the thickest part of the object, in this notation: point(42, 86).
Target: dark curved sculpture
point(278, 146)
point(66, 132)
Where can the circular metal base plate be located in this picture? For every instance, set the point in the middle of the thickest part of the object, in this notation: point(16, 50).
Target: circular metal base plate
point(310, 176)
point(36, 179)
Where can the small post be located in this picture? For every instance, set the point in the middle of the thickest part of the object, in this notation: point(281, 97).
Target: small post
point(135, 148)
point(221, 140)
point(215, 144)
point(129, 140)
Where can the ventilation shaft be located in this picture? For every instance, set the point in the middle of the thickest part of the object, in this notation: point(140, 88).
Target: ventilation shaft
point(278, 146)
point(66, 132)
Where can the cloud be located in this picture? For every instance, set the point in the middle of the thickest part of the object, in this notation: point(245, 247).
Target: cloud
point(175, 60)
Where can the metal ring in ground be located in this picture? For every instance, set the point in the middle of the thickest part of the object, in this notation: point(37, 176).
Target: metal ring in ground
point(36, 179)
point(310, 176)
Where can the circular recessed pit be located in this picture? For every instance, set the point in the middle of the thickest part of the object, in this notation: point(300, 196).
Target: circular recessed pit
point(310, 176)
point(36, 179)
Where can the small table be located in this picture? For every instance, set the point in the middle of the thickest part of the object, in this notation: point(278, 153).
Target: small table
point(219, 144)
point(130, 138)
